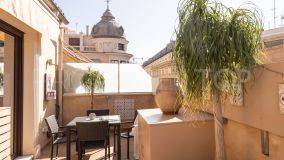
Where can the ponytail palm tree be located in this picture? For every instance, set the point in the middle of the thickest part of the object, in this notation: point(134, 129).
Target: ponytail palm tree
point(215, 47)
point(93, 80)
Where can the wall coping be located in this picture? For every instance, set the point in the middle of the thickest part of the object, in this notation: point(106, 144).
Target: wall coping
point(108, 94)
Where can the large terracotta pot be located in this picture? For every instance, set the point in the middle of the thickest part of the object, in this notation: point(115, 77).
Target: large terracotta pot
point(166, 96)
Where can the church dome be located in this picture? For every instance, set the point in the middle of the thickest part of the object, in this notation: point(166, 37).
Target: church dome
point(108, 27)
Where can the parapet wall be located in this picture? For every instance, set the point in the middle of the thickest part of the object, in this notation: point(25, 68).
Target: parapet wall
point(76, 104)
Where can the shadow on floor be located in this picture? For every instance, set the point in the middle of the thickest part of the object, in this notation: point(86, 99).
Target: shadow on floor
point(96, 154)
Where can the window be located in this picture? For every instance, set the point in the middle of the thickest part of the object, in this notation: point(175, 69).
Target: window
point(120, 47)
point(113, 61)
point(74, 41)
point(123, 61)
point(96, 60)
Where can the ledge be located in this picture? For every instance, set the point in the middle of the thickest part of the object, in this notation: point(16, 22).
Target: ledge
point(156, 117)
point(108, 94)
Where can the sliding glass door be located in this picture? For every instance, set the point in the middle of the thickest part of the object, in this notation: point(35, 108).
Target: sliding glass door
point(11, 110)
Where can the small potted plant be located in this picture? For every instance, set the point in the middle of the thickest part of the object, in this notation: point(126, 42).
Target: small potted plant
point(93, 80)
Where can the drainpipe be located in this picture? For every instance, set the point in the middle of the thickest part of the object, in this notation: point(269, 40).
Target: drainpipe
point(59, 73)
point(118, 78)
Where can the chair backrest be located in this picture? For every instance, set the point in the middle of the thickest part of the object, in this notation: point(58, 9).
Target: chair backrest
point(52, 124)
point(92, 131)
point(124, 108)
point(98, 112)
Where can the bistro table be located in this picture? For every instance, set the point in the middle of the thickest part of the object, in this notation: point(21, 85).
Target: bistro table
point(114, 120)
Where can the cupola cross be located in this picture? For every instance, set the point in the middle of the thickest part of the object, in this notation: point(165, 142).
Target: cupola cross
point(107, 3)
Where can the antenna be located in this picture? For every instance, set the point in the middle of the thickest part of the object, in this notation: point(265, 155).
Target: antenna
point(282, 18)
point(76, 24)
point(274, 12)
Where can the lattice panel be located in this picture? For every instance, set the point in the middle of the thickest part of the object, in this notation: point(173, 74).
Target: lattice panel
point(124, 108)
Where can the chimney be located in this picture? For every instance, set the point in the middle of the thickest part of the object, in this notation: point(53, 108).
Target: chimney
point(87, 30)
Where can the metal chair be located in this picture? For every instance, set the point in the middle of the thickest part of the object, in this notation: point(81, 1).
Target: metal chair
point(127, 135)
point(98, 112)
point(57, 133)
point(92, 135)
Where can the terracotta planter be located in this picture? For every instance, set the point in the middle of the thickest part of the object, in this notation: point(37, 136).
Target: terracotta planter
point(166, 96)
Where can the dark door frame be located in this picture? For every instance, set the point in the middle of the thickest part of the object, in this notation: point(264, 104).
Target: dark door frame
point(18, 86)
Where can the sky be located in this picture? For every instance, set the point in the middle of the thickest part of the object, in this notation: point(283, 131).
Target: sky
point(149, 24)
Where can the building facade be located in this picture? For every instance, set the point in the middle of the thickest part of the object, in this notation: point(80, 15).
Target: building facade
point(253, 128)
point(161, 65)
point(106, 43)
point(31, 44)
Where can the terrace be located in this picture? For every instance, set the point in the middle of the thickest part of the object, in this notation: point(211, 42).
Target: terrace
point(93, 154)
point(41, 73)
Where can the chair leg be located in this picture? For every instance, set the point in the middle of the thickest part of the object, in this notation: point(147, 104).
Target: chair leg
point(51, 156)
point(108, 149)
point(127, 147)
point(105, 152)
point(79, 150)
point(114, 140)
point(56, 150)
point(79, 155)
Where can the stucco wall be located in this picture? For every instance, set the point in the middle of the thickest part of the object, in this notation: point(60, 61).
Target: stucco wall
point(40, 43)
point(260, 111)
point(261, 107)
point(244, 142)
point(276, 53)
point(76, 105)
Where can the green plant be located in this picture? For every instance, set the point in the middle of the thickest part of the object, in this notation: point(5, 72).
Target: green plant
point(215, 46)
point(1, 78)
point(93, 80)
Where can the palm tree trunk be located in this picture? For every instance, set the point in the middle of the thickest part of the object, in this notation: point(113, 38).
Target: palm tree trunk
point(92, 101)
point(219, 130)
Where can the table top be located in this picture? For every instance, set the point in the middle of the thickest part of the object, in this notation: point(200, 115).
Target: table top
point(112, 119)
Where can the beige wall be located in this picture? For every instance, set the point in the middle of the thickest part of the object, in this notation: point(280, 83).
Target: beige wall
point(260, 111)
point(175, 137)
point(261, 107)
point(40, 43)
point(244, 142)
point(276, 54)
point(76, 105)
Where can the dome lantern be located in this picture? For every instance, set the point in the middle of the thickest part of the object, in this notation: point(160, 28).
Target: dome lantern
point(107, 27)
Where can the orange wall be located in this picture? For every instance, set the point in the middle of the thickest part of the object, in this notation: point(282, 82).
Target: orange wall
point(76, 105)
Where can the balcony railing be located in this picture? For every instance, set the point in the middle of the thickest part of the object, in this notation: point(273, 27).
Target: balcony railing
point(75, 53)
point(89, 48)
point(85, 48)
